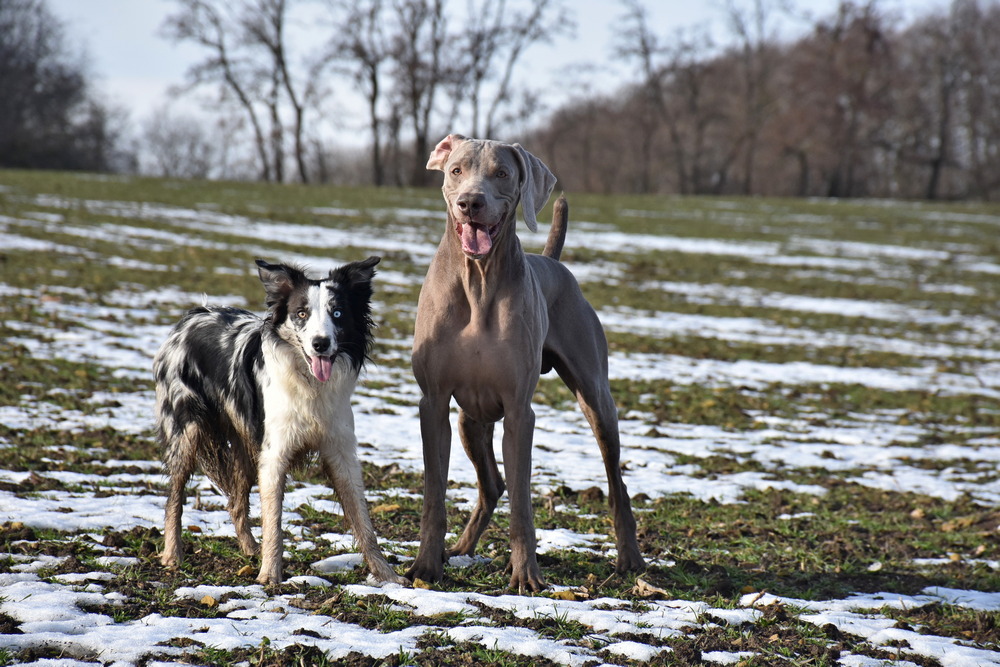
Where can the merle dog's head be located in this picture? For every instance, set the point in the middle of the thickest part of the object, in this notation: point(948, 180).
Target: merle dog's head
point(326, 319)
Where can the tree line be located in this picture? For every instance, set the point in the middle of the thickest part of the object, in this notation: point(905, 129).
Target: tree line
point(858, 104)
point(49, 115)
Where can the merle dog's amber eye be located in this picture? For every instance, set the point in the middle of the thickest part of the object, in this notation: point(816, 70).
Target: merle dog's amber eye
point(302, 314)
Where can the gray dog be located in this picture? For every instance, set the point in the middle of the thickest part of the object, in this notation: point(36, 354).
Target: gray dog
point(490, 319)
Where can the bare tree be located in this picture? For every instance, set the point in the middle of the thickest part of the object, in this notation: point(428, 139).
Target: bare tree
point(201, 22)
point(949, 56)
point(934, 96)
point(366, 49)
point(49, 117)
point(753, 29)
point(638, 42)
point(264, 22)
point(860, 78)
point(674, 94)
point(978, 121)
point(178, 146)
point(247, 59)
point(419, 71)
point(515, 31)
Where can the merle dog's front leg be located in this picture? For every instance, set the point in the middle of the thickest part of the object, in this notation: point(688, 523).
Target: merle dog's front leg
point(271, 480)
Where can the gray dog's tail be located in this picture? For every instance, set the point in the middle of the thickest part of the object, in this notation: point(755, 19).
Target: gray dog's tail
point(557, 233)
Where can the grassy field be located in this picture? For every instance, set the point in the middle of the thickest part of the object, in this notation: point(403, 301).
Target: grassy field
point(809, 394)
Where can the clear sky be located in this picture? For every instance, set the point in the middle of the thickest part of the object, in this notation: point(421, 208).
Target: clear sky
point(135, 67)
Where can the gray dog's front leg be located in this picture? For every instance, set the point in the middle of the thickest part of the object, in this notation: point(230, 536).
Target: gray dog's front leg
point(435, 431)
point(517, 436)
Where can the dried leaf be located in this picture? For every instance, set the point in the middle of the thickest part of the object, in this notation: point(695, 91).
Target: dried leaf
point(957, 524)
point(209, 601)
point(647, 590)
point(308, 605)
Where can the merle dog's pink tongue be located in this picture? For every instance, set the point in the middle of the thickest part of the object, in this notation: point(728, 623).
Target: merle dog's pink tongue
point(476, 239)
point(322, 367)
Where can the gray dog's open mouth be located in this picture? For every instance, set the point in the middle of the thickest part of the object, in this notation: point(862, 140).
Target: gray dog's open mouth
point(477, 239)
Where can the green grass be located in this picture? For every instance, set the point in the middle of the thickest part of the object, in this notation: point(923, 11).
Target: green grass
point(853, 539)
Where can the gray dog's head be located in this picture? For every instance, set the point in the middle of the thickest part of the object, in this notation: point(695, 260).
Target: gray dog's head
point(483, 182)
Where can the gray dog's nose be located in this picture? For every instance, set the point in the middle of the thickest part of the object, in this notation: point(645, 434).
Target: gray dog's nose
point(321, 343)
point(470, 203)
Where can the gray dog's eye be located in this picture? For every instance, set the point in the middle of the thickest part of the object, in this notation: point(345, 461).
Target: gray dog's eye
point(501, 174)
point(457, 171)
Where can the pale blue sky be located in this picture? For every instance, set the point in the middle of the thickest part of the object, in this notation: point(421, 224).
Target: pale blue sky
point(136, 67)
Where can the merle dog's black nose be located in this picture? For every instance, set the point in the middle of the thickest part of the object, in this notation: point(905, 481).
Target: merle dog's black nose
point(321, 343)
point(470, 203)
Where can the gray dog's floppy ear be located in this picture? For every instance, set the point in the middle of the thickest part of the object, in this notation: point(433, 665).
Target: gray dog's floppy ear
point(536, 185)
point(439, 156)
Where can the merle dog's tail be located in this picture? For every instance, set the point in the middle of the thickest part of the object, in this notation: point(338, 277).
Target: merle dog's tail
point(557, 233)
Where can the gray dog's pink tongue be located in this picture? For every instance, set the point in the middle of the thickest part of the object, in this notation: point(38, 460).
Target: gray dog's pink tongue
point(322, 367)
point(476, 239)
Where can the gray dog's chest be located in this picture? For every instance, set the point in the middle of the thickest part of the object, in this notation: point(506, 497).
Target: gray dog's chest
point(483, 362)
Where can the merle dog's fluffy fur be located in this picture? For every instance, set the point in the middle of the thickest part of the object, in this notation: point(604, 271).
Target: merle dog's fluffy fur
point(244, 398)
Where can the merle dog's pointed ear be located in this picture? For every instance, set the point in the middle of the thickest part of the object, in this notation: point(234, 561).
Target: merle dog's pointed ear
point(278, 279)
point(357, 273)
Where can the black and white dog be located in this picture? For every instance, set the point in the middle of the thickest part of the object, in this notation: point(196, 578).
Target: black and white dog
point(244, 397)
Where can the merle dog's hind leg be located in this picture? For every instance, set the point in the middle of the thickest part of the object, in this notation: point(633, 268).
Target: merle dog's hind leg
point(180, 459)
point(241, 479)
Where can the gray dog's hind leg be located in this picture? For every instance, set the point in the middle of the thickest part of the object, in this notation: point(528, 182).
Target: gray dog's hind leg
point(477, 438)
point(594, 396)
point(602, 414)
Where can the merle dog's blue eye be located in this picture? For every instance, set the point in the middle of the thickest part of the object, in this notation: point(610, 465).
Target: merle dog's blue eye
point(336, 314)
